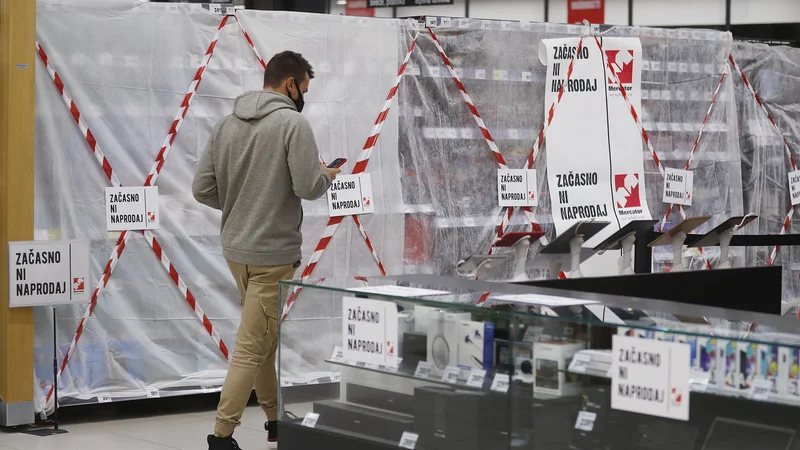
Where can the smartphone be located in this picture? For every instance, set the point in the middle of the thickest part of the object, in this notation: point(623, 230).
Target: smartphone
point(336, 163)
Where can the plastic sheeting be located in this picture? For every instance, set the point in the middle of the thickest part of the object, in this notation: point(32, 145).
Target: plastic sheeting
point(454, 171)
point(433, 176)
point(128, 65)
point(774, 73)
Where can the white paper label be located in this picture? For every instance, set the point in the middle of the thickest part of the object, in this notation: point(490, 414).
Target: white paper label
point(580, 363)
point(450, 375)
point(586, 420)
point(371, 366)
point(500, 75)
point(434, 71)
point(500, 382)
point(650, 377)
point(42, 273)
point(408, 440)
point(446, 22)
point(400, 291)
point(337, 377)
point(699, 380)
point(540, 299)
point(104, 400)
point(350, 195)
point(527, 76)
point(517, 187)
point(678, 186)
point(153, 393)
point(476, 378)
point(369, 331)
point(215, 8)
point(207, 389)
point(760, 389)
point(132, 208)
point(480, 74)
point(310, 420)
point(595, 170)
point(794, 187)
point(424, 370)
point(338, 354)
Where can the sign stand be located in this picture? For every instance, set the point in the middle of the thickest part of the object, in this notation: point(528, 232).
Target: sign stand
point(676, 236)
point(624, 239)
point(571, 242)
point(521, 243)
point(42, 432)
point(721, 235)
point(476, 267)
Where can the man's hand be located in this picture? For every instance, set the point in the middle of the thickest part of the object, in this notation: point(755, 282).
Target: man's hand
point(332, 172)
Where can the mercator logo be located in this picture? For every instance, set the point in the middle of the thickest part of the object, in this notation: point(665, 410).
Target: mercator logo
point(626, 190)
point(621, 62)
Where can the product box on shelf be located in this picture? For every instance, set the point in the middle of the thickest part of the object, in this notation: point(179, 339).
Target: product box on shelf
point(789, 371)
point(748, 364)
point(768, 365)
point(709, 359)
point(442, 342)
point(476, 345)
point(551, 360)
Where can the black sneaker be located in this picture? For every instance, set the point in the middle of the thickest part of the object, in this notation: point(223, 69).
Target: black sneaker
point(226, 443)
point(272, 433)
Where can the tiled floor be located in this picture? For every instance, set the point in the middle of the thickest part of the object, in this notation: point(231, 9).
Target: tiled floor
point(185, 431)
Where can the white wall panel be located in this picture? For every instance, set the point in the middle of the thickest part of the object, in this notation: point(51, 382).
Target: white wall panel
point(530, 10)
point(765, 11)
point(679, 12)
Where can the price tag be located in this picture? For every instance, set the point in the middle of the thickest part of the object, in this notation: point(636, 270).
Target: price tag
point(485, 24)
point(666, 95)
point(527, 76)
point(424, 370)
point(430, 21)
point(463, 23)
point(446, 22)
point(215, 8)
point(480, 74)
point(709, 68)
point(760, 390)
point(414, 71)
point(525, 25)
point(695, 68)
point(655, 94)
point(579, 364)
point(672, 66)
point(313, 382)
point(434, 71)
point(351, 362)
point(310, 420)
point(286, 383)
point(153, 393)
point(585, 421)
point(476, 378)
point(698, 382)
point(371, 366)
point(505, 25)
point(678, 186)
point(337, 377)
point(452, 133)
point(459, 72)
point(103, 399)
point(513, 133)
point(645, 65)
point(450, 375)
point(680, 95)
point(207, 389)
point(794, 186)
point(337, 354)
point(500, 383)
point(683, 67)
point(408, 440)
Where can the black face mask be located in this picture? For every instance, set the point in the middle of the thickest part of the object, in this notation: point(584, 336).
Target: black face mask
point(299, 102)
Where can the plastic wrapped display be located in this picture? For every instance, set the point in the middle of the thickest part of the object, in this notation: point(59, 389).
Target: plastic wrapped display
point(433, 174)
point(128, 72)
point(773, 73)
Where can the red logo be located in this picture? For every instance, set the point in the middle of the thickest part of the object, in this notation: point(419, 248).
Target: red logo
point(390, 347)
point(622, 64)
point(676, 397)
point(151, 217)
point(78, 284)
point(626, 190)
point(367, 201)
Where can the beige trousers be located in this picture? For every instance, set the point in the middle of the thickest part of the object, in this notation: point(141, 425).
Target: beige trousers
point(253, 361)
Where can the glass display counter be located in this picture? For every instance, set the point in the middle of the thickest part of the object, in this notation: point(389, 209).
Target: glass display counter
point(444, 364)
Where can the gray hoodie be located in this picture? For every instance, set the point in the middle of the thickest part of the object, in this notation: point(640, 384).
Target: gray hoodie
point(259, 162)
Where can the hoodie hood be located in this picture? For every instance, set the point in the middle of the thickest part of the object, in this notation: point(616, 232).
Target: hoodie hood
point(260, 104)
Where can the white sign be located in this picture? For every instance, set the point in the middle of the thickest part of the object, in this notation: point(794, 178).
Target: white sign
point(350, 195)
point(794, 187)
point(450, 375)
point(369, 331)
point(500, 382)
point(595, 167)
point(476, 378)
point(678, 186)
point(153, 393)
point(517, 187)
point(337, 355)
point(408, 440)
point(310, 420)
point(650, 377)
point(586, 420)
point(402, 291)
point(132, 208)
point(43, 273)
point(760, 389)
point(544, 300)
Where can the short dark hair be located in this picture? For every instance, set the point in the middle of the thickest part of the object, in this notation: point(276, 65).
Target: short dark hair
point(285, 65)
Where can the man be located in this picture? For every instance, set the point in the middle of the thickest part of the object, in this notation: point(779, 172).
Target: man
point(257, 166)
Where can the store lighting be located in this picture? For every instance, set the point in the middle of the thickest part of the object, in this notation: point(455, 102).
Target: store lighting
point(341, 2)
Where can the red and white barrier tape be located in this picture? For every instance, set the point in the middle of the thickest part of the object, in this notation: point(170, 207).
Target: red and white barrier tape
point(639, 124)
point(251, 43)
point(360, 167)
point(788, 220)
point(125, 236)
point(369, 245)
point(696, 142)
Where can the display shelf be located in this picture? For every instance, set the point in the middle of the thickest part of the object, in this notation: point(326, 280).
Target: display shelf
point(433, 378)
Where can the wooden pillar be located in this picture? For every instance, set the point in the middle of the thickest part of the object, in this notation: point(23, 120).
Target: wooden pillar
point(17, 123)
